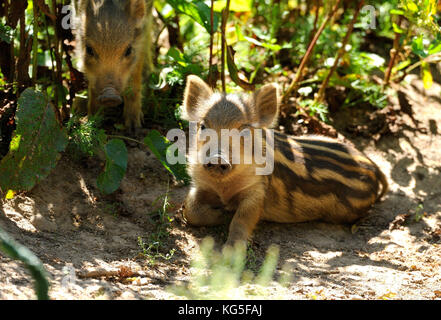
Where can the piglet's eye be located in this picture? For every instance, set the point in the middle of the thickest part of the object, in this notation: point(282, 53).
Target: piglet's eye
point(203, 126)
point(90, 51)
point(129, 51)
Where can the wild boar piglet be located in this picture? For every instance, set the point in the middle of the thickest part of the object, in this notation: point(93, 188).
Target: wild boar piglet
point(311, 177)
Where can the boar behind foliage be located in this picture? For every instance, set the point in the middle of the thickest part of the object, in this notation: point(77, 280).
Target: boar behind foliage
point(113, 46)
point(314, 177)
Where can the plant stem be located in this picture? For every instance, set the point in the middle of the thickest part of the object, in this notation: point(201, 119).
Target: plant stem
point(433, 58)
point(314, 28)
point(393, 55)
point(340, 53)
point(126, 138)
point(210, 61)
point(35, 45)
point(225, 13)
point(299, 74)
point(58, 62)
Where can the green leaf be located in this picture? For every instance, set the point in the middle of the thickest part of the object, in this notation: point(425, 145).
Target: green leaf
point(234, 73)
point(434, 47)
point(158, 144)
point(116, 165)
point(5, 33)
point(198, 11)
point(397, 29)
point(18, 252)
point(272, 47)
point(401, 65)
point(177, 56)
point(35, 146)
point(418, 47)
point(396, 11)
point(411, 6)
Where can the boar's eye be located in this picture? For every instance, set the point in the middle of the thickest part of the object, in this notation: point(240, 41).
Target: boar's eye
point(89, 51)
point(128, 52)
point(203, 126)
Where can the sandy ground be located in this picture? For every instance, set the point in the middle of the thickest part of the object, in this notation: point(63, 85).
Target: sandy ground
point(389, 255)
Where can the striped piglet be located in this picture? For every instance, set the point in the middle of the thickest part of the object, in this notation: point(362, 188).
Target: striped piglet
point(311, 177)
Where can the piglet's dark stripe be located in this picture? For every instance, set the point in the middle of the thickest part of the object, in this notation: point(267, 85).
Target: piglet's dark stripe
point(314, 158)
point(311, 152)
point(315, 188)
point(285, 148)
point(307, 147)
point(327, 144)
point(316, 165)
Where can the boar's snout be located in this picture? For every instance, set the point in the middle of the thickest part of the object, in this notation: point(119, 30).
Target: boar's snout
point(218, 164)
point(109, 97)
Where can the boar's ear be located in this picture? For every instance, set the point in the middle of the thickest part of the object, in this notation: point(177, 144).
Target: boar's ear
point(266, 102)
point(137, 9)
point(196, 91)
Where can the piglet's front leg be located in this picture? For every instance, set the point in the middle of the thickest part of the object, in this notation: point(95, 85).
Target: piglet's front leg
point(246, 217)
point(201, 208)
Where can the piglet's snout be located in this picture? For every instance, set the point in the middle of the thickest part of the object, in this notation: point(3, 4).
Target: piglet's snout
point(109, 97)
point(218, 163)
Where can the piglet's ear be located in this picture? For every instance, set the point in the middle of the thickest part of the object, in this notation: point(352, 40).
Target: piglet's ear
point(266, 102)
point(196, 92)
point(92, 6)
point(137, 9)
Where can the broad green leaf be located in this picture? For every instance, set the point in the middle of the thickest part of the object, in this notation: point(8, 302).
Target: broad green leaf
point(34, 149)
point(116, 165)
point(198, 11)
point(18, 252)
point(159, 145)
